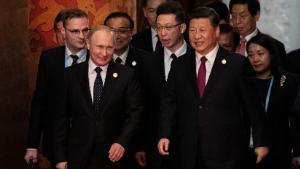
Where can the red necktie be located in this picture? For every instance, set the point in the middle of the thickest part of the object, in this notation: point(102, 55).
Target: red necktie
point(201, 76)
point(241, 49)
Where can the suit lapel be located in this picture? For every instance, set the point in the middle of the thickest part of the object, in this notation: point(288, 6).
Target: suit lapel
point(109, 86)
point(130, 58)
point(83, 78)
point(192, 72)
point(217, 69)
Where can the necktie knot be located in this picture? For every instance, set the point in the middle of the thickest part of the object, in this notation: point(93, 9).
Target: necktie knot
point(173, 56)
point(74, 58)
point(203, 59)
point(98, 70)
point(118, 60)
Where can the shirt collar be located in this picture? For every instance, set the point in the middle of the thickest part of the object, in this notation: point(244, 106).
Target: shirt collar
point(92, 67)
point(251, 35)
point(123, 56)
point(211, 56)
point(179, 52)
point(153, 33)
point(82, 53)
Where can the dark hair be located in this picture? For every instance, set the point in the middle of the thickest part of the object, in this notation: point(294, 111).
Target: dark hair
point(269, 43)
point(205, 12)
point(253, 5)
point(222, 9)
point(172, 7)
point(73, 13)
point(227, 28)
point(119, 15)
point(58, 18)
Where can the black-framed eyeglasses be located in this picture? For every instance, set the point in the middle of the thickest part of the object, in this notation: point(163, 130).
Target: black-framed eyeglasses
point(77, 32)
point(159, 28)
point(121, 30)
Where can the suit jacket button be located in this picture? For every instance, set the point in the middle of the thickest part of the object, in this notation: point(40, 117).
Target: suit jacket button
point(200, 106)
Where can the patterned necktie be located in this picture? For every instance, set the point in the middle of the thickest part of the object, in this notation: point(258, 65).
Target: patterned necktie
point(202, 76)
point(98, 90)
point(118, 60)
point(241, 49)
point(75, 58)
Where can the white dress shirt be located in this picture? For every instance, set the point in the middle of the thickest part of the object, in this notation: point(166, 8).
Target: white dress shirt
point(168, 60)
point(248, 37)
point(81, 56)
point(92, 74)
point(211, 56)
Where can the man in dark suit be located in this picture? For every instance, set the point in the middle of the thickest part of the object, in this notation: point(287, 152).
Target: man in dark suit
point(148, 39)
point(170, 28)
point(208, 99)
point(245, 14)
point(100, 113)
point(50, 73)
point(151, 84)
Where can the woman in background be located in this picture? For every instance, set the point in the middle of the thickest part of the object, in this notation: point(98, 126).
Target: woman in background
point(277, 90)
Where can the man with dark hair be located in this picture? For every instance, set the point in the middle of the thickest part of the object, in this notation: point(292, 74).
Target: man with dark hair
point(228, 38)
point(48, 84)
point(58, 25)
point(170, 26)
point(99, 114)
point(222, 9)
point(245, 14)
point(151, 84)
point(207, 103)
point(148, 39)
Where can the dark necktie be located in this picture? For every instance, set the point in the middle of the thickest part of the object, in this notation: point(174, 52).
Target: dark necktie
point(98, 90)
point(158, 46)
point(75, 58)
point(201, 76)
point(118, 60)
point(173, 56)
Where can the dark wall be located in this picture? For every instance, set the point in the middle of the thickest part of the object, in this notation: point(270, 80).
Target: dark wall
point(14, 95)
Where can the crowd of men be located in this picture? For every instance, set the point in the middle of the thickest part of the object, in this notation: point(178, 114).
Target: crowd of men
point(178, 95)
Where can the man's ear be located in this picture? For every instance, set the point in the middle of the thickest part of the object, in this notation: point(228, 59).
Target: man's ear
point(182, 27)
point(257, 16)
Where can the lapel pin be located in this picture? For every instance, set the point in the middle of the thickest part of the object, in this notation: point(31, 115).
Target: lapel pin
point(133, 63)
point(224, 61)
point(115, 75)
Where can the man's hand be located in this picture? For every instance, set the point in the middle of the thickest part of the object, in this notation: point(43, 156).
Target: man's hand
point(163, 146)
point(296, 161)
point(140, 157)
point(31, 154)
point(261, 153)
point(116, 152)
point(61, 165)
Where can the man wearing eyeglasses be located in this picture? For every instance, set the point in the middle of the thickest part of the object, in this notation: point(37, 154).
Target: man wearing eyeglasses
point(151, 84)
point(49, 82)
point(170, 26)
